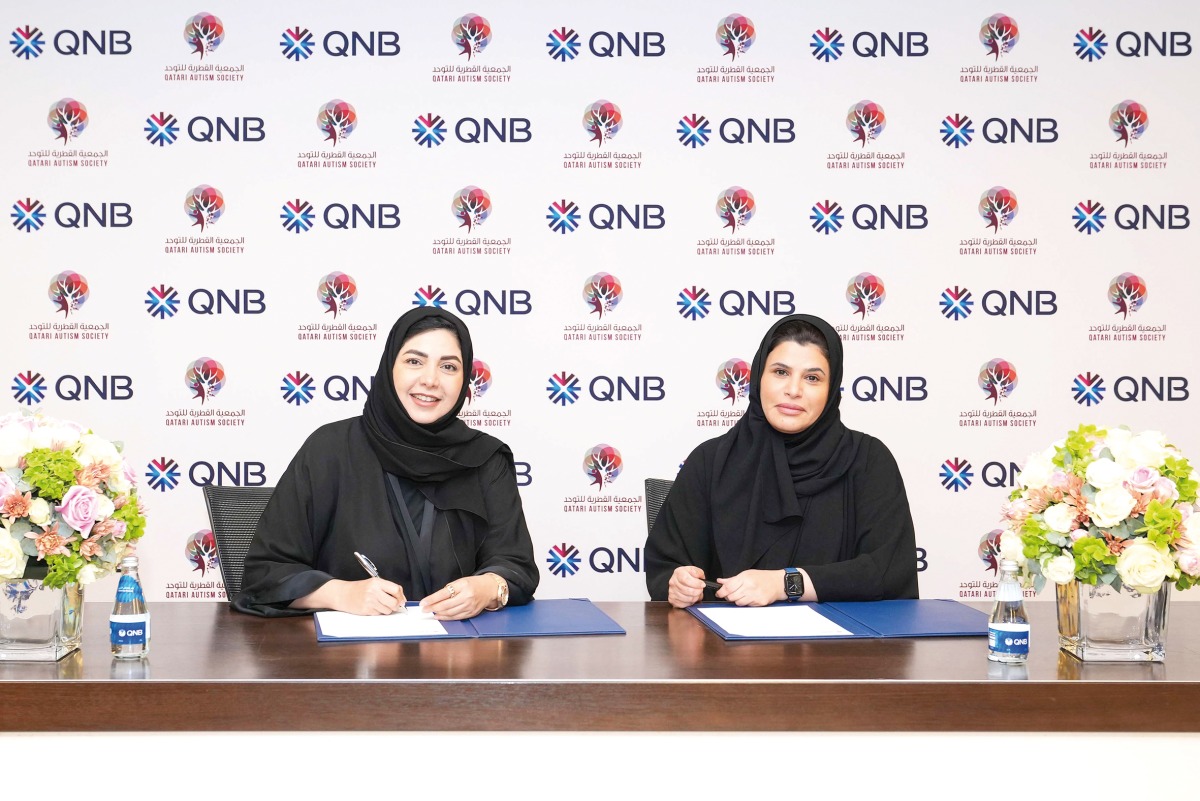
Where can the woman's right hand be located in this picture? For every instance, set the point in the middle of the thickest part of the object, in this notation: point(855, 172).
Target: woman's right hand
point(686, 586)
point(373, 596)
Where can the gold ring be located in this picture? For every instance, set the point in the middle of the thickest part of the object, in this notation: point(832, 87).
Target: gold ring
point(453, 591)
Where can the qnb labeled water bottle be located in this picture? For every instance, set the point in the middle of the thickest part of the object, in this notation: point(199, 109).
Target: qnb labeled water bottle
point(1008, 627)
point(129, 623)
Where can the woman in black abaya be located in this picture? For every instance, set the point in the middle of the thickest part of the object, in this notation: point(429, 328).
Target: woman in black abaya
point(789, 504)
point(431, 502)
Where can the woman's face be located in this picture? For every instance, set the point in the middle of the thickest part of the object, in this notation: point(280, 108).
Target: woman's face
point(794, 386)
point(428, 375)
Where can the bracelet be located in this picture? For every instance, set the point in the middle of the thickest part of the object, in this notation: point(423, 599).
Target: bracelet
point(501, 596)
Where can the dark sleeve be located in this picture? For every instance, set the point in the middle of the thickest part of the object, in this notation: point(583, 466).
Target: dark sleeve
point(281, 559)
point(884, 565)
point(682, 533)
point(506, 548)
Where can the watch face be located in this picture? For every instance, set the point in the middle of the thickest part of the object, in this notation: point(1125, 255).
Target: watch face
point(793, 584)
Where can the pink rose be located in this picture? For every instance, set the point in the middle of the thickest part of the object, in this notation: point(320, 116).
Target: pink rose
point(1142, 479)
point(1015, 511)
point(1059, 480)
point(1165, 490)
point(7, 487)
point(118, 529)
point(1189, 561)
point(1077, 534)
point(78, 509)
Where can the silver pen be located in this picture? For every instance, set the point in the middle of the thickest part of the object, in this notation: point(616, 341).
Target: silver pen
point(373, 572)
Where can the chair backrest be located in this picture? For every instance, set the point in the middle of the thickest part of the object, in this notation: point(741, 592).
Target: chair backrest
point(656, 493)
point(233, 513)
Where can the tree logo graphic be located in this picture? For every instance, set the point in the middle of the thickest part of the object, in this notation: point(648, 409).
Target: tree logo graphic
point(201, 551)
point(204, 205)
point(602, 120)
point(989, 549)
point(471, 207)
point(337, 293)
point(471, 33)
point(998, 207)
point(481, 380)
point(67, 118)
point(865, 293)
point(602, 292)
point(602, 464)
point(998, 379)
point(337, 120)
point(1127, 294)
point(736, 207)
point(204, 33)
point(205, 378)
point(733, 379)
point(1128, 120)
point(866, 121)
point(68, 292)
point(999, 35)
point(735, 35)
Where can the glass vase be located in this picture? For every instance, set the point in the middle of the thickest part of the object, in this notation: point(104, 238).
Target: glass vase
point(32, 622)
point(1100, 624)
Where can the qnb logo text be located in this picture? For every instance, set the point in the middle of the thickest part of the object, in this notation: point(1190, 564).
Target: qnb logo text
point(761, 302)
point(30, 387)
point(748, 130)
point(1032, 130)
point(29, 215)
point(29, 41)
point(1145, 44)
point(298, 43)
point(1012, 303)
point(1164, 217)
point(563, 217)
point(566, 43)
point(430, 130)
point(1145, 388)
point(228, 474)
point(827, 44)
point(210, 302)
point(890, 389)
point(882, 217)
point(206, 129)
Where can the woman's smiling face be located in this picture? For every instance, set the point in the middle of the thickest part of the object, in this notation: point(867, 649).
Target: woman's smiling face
point(428, 375)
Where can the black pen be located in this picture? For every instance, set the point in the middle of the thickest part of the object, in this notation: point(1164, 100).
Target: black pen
point(711, 585)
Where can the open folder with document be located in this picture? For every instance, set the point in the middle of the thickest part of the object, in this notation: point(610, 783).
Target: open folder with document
point(813, 621)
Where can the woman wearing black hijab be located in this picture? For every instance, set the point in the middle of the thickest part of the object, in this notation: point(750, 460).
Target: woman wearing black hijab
point(789, 504)
point(432, 502)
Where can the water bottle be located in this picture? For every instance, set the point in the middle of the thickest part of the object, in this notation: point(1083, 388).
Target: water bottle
point(1008, 627)
point(129, 623)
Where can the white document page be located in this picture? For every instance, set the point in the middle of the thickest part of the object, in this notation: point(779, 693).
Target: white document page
point(411, 623)
point(774, 621)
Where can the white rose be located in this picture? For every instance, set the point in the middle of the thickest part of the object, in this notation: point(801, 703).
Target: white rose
point(1060, 517)
point(1037, 471)
point(1011, 547)
point(1105, 473)
point(1147, 448)
point(14, 443)
point(1143, 567)
point(1060, 569)
point(88, 574)
point(118, 483)
point(12, 558)
point(104, 508)
point(1111, 506)
point(39, 512)
point(95, 449)
point(1117, 440)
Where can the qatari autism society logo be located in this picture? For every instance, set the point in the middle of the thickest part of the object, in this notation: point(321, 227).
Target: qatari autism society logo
point(204, 33)
point(201, 551)
point(602, 292)
point(602, 120)
point(602, 464)
point(471, 206)
point(733, 380)
point(865, 293)
point(998, 208)
point(337, 119)
point(68, 118)
point(480, 380)
point(1128, 120)
point(337, 292)
point(999, 34)
point(204, 205)
point(68, 292)
point(736, 207)
point(1127, 293)
point(205, 378)
point(866, 120)
point(471, 34)
point(735, 35)
point(998, 380)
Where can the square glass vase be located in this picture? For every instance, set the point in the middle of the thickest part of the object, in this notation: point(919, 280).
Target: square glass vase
point(1100, 624)
point(38, 623)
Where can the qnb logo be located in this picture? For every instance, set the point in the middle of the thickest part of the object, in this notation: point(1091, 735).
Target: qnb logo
point(204, 34)
point(866, 121)
point(29, 388)
point(1090, 44)
point(1174, 217)
point(27, 42)
point(769, 302)
point(162, 301)
point(602, 464)
point(429, 130)
point(1040, 130)
point(204, 205)
point(68, 119)
point(1088, 389)
point(337, 293)
point(297, 216)
point(956, 474)
point(28, 215)
point(733, 380)
point(1135, 389)
point(1089, 217)
point(865, 293)
point(694, 131)
point(826, 217)
point(1035, 303)
point(1127, 293)
point(602, 292)
point(429, 296)
point(602, 120)
point(205, 378)
point(1128, 120)
point(563, 560)
point(998, 380)
point(826, 45)
point(735, 35)
point(298, 388)
point(68, 292)
point(1176, 44)
point(162, 474)
point(998, 208)
point(956, 303)
point(957, 131)
point(563, 44)
point(563, 388)
point(563, 216)
point(297, 43)
point(337, 119)
point(161, 129)
point(999, 35)
point(471, 206)
point(736, 207)
point(693, 303)
point(201, 550)
point(875, 389)
point(481, 380)
point(472, 34)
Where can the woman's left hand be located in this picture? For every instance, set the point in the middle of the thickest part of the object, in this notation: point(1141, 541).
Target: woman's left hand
point(753, 588)
point(462, 598)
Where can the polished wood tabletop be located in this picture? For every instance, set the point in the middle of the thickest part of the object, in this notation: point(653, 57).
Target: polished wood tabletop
point(213, 669)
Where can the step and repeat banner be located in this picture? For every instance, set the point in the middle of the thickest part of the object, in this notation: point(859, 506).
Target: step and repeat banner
point(216, 213)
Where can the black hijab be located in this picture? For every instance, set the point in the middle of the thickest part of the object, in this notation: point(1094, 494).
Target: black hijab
point(443, 452)
point(763, 475)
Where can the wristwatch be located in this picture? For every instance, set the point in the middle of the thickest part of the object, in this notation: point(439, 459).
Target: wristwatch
point(793, 583)
point(501, 595)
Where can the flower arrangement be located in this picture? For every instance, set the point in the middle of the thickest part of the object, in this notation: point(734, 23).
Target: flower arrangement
point(67, 499)
point(1107, 506)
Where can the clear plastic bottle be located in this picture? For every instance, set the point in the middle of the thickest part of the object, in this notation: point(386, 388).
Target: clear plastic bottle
point(1008, 627)
point(129, 623)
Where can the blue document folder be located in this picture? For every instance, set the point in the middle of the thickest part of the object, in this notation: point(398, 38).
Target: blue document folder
point(871, 619)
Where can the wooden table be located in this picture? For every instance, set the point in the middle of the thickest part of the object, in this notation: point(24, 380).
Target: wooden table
point(213, 669)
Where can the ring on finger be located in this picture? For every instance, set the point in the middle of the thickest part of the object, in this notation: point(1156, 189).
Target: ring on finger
point(453, 591)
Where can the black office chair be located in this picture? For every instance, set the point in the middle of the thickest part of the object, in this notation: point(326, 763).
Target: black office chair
point(233, 513)
point(656, 493)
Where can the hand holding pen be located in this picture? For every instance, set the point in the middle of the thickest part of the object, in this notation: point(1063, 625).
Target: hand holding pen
point(378, 596)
